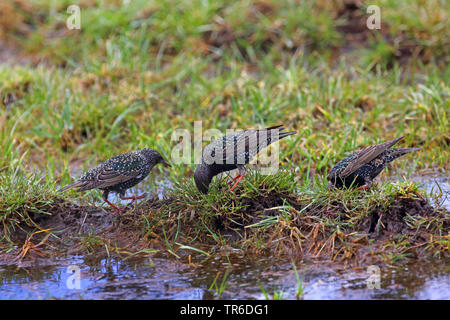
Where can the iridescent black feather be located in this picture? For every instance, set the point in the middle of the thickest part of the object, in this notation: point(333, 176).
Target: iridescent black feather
point(119, 173)
point(234, 151)
point(362, 166)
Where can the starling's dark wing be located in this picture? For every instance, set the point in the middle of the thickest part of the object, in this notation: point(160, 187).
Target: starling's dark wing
point(241, 147)
point(110, 177)
point(114, 171)
point(366, 155)
point(238, 147)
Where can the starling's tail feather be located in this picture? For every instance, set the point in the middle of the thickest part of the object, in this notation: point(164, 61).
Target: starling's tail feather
point(403, 151)
point(398, 152)
point(279, 130)
point(389, 144)
point(73, 185)
point(285, 134)
point(396, 140)
point(267, 136)
point(280, 127)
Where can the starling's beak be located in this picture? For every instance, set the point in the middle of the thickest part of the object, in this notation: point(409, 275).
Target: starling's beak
point(165, 163)
point(330, 186)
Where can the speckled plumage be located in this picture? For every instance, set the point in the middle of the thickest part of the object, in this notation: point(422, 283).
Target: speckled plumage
point(362, 166)
point(119, 173)
point(234, 151)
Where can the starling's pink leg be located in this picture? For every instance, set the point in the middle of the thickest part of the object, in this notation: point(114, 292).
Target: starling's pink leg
point(367, 185)
point(133, 198)
point(238, 178)
point(115, 207)
point(105, 198)
point(232, 181)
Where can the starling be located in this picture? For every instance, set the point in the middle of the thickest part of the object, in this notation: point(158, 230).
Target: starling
point(119, 174)
point(361, 167)
point(234, 151)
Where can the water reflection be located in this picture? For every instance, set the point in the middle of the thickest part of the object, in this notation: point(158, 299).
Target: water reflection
point(165, 278)
point(436, 184)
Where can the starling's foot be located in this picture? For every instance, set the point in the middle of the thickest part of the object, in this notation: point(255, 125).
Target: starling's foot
point(117, 210)
point(230, 190)
point(133, 198)
point(367, 186)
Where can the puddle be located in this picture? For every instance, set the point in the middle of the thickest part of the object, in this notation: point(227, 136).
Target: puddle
point(433, 183)
point(162, 278)
point(157, 189)
point(436, 184)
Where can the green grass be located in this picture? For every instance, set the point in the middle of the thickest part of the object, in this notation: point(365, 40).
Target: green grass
point(204, 212)
point(134, 74)
point(220, 287)
point(24, 196)
point(280, 294)
point(300, 283)
point(277, 294)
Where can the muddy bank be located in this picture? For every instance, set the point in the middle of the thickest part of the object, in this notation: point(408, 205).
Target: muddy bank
point(406, 226)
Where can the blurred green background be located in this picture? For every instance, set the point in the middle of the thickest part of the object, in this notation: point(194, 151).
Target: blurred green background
point(138, 70)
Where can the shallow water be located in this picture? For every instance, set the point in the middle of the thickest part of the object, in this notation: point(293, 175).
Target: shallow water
point(165, 278)
point(436, 184)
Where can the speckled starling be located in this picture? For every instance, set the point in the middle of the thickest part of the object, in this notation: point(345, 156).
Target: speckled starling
point(119, 174)
point(362, 166)
point(234, 151)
